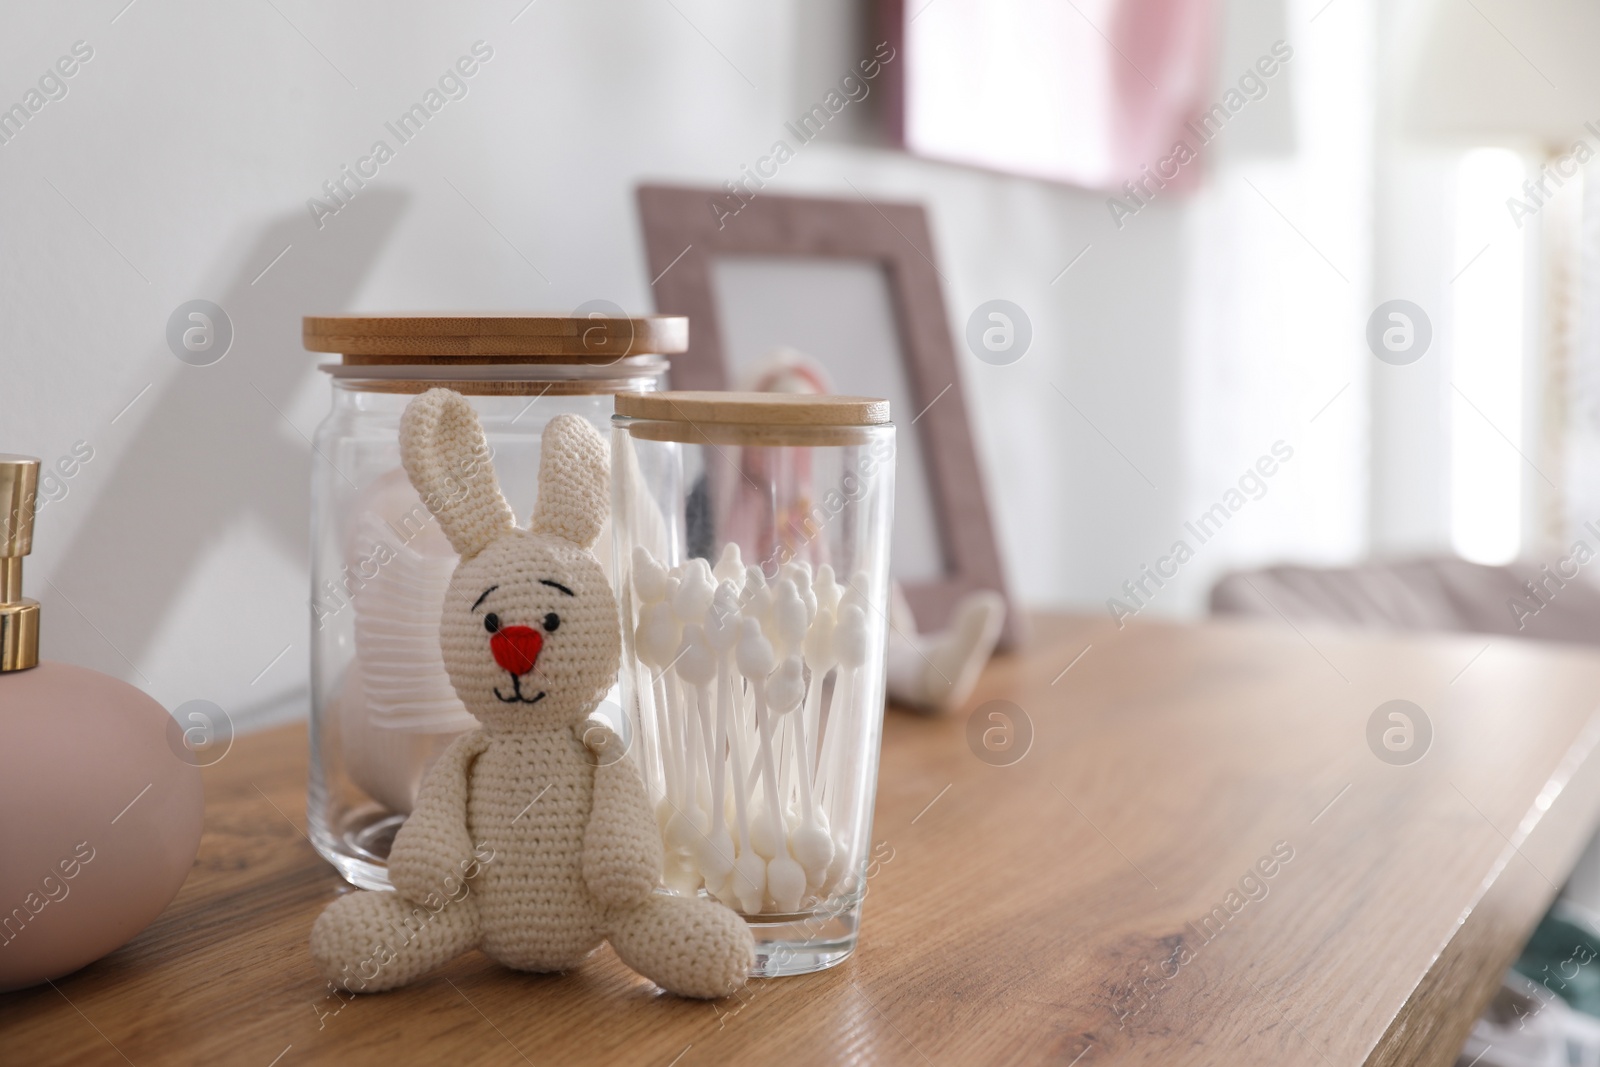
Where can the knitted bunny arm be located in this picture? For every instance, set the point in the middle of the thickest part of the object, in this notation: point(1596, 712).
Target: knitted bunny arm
point(432, 853)
point(621, 844)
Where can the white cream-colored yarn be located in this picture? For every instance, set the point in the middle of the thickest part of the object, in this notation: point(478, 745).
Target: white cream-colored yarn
point(446, 456)
point(532, 838)
point(578, 489)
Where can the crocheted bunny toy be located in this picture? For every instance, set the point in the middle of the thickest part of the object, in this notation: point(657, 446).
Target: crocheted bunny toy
point(532, 838)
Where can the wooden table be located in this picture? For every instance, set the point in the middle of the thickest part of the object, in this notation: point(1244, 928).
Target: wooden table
point(1050, 911)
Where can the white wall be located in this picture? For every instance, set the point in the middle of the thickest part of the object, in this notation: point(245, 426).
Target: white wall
point(179, 165)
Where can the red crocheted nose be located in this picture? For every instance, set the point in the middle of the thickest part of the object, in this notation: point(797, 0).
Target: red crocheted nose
point(516, 648)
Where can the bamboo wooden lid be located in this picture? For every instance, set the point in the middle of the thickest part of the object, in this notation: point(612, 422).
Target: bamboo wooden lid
point(492, 338)
point(780, 409)
point(753, 418)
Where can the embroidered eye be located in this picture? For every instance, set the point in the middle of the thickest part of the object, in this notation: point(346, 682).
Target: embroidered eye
point(491, 622)
point(551, 621)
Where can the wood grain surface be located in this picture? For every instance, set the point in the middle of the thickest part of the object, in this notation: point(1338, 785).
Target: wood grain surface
point(787, 409)
point(1054, 910)
point(402, 338)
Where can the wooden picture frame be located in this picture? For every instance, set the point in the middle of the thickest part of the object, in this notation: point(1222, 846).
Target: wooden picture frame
point(687, 230)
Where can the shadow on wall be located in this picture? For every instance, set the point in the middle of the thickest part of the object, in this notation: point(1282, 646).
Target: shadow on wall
point(213, 445)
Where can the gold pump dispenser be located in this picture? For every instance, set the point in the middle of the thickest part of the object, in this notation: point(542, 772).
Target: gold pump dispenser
point(19, 616)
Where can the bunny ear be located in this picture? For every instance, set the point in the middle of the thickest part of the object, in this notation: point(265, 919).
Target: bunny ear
point(445, 455)
point(574, 481)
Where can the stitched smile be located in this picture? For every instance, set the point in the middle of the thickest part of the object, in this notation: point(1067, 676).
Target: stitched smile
point(516, 696)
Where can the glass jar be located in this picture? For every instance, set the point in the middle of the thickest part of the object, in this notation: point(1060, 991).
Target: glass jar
point(382, 707)
point(751, 539)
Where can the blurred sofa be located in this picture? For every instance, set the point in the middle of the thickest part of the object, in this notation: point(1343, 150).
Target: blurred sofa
point(1540, 601)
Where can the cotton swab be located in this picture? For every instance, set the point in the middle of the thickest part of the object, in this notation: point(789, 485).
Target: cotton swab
point(730, 566)
point(850, 643)
point(657, 640)
point(649, 580)
point(697, 663)
point(797, 615)
point(750, 869)
point(722, 634)
point(799, 572)
point(826, 588)
point(785, 877)
point(819, 656)
point(691, 601)
point(810, 842)
point(695, 591)
point(755, 659)
point(755, 604)
point(787, 622)
point(649, 577)
point(756, 598)
point(850, 649)
point(785, 626)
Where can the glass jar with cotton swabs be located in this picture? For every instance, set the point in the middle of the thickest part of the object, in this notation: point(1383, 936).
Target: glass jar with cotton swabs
point(752, 546)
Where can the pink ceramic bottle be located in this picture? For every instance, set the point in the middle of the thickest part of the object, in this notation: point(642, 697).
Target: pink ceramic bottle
point(100, 813)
